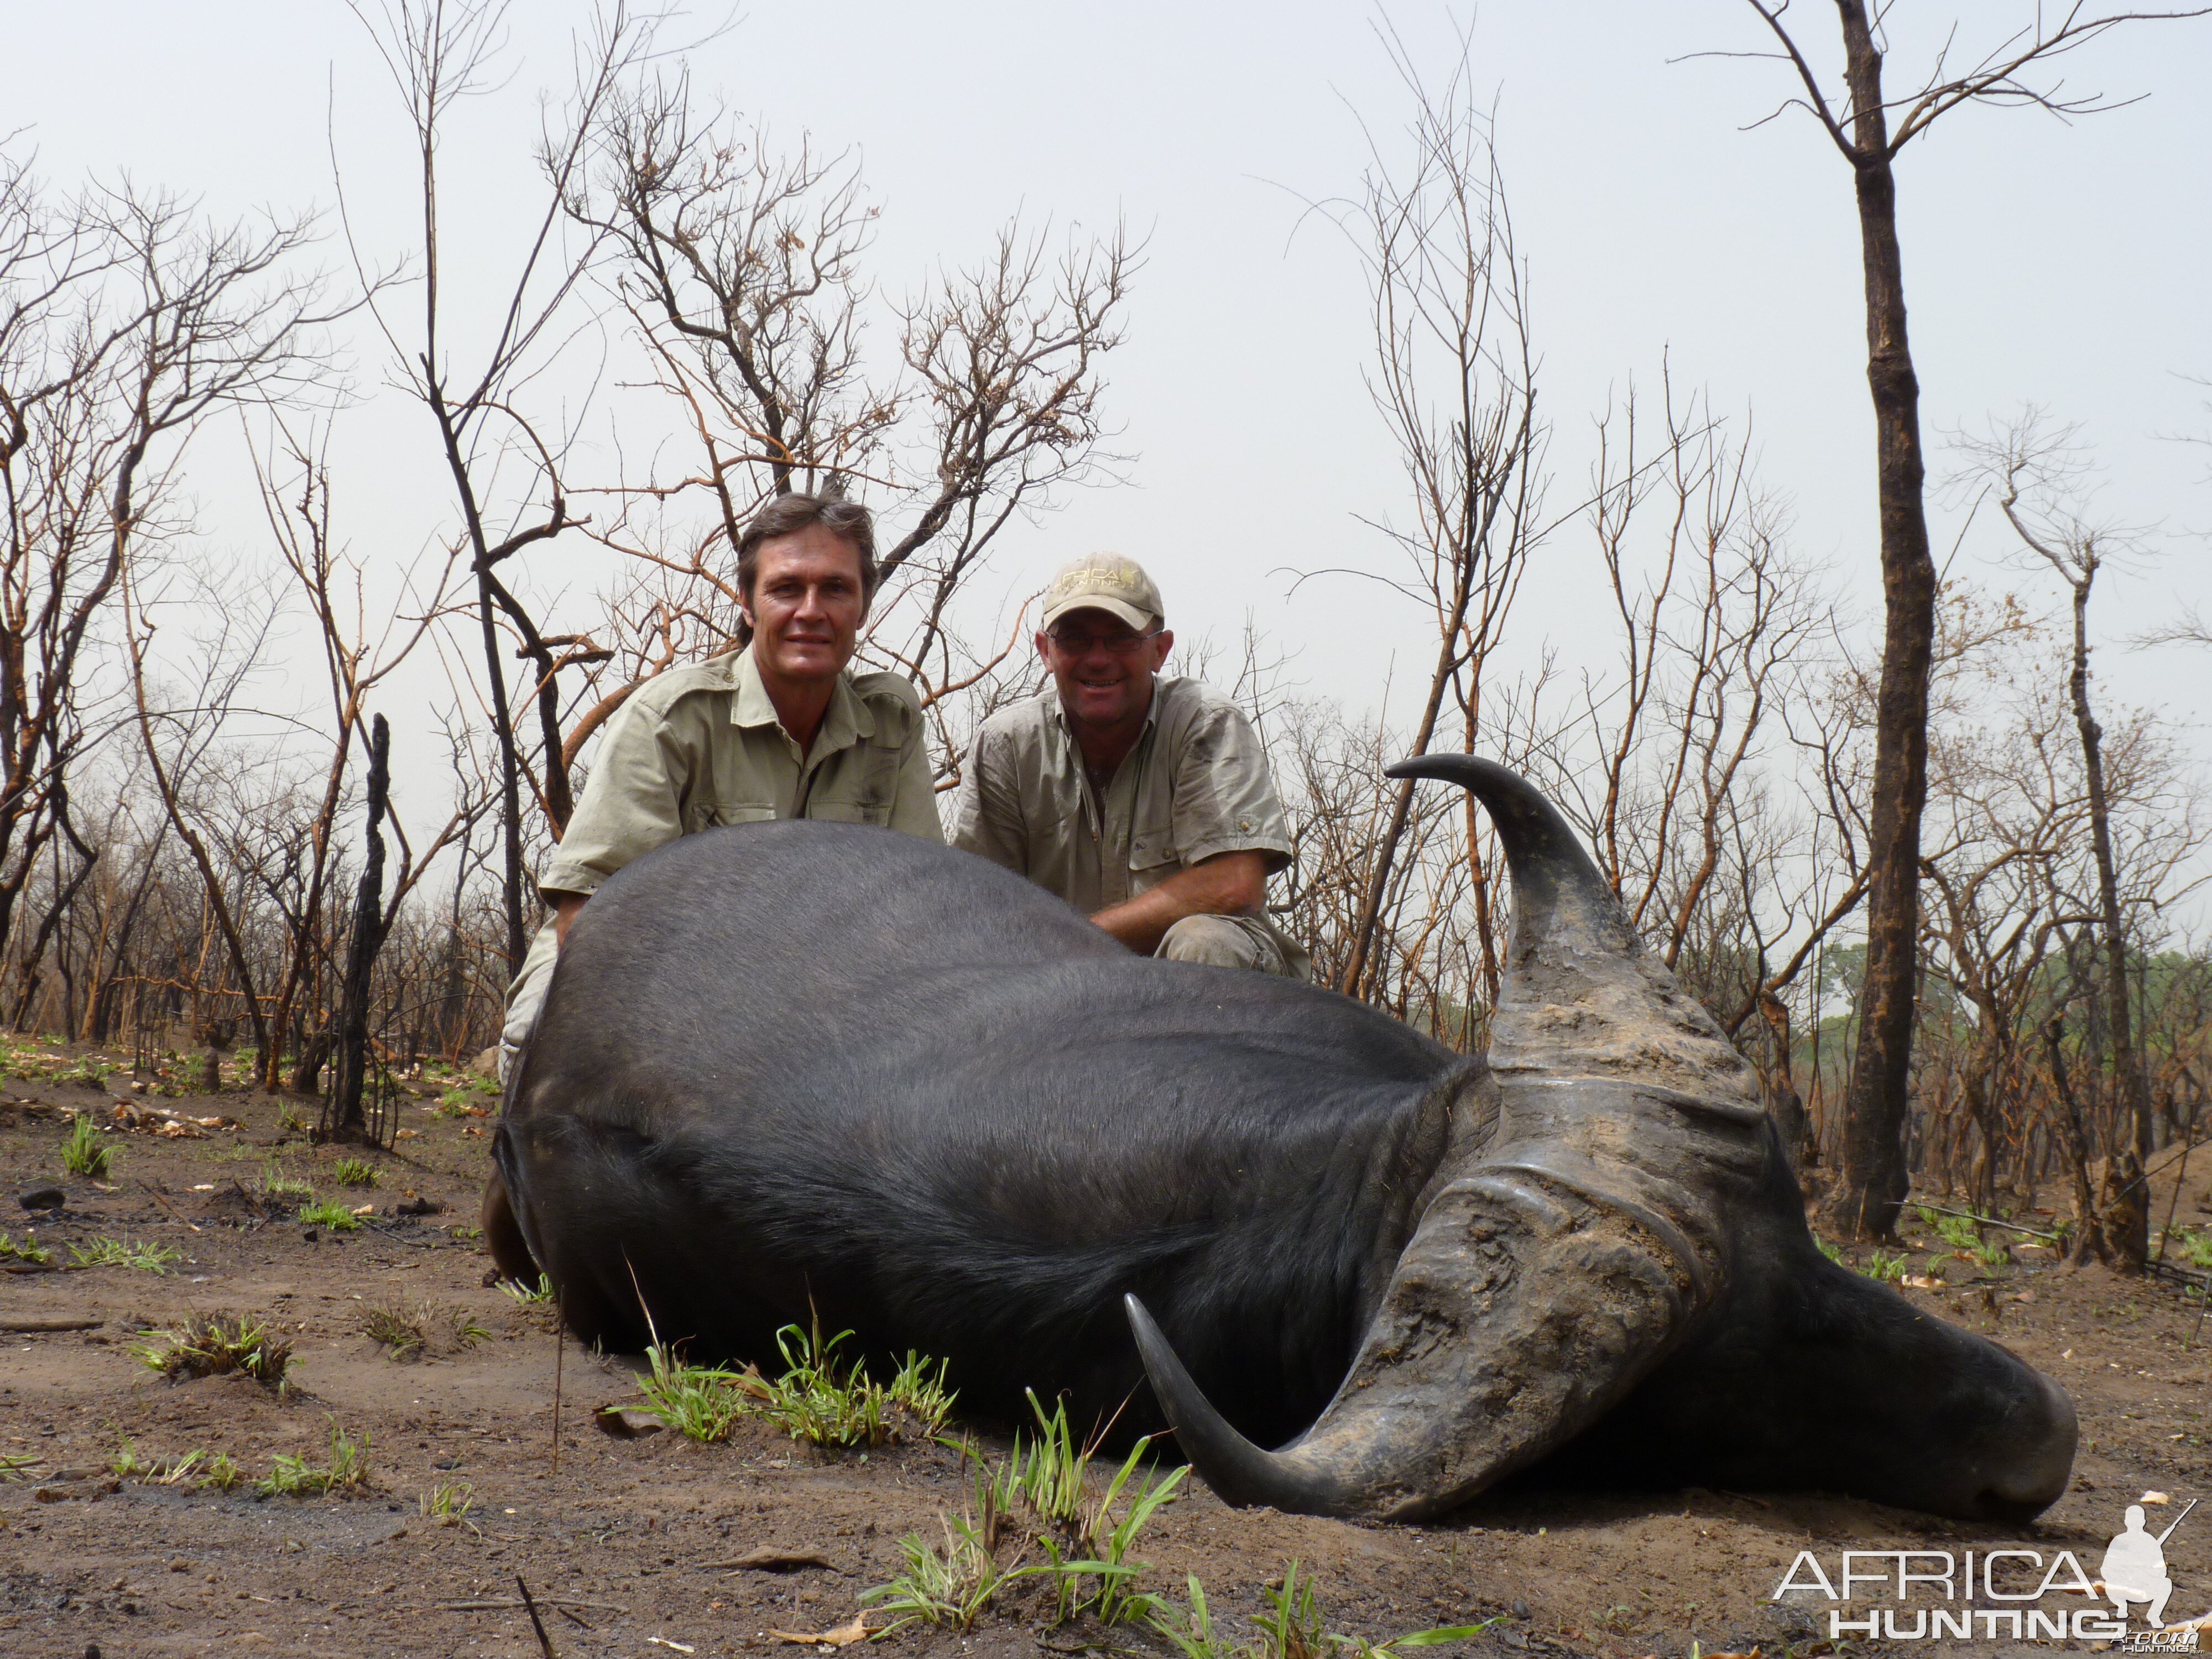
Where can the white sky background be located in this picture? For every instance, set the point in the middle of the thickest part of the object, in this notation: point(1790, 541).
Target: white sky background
point(2061, 264)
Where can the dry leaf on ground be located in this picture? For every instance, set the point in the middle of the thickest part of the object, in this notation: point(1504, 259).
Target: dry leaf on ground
point(843, 1635)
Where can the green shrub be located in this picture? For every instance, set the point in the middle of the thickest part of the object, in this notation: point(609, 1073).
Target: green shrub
point(336, 1217)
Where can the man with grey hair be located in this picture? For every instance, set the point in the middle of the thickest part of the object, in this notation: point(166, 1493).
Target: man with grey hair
point(1142, 799)
point(779, 729)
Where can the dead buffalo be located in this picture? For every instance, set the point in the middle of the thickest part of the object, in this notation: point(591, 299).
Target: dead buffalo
point(802, 1064)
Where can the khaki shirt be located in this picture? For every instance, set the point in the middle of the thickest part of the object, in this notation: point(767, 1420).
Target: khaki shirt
point(1195, 785)
point(700, 746)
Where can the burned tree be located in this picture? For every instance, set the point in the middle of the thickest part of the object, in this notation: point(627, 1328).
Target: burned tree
point(1869, 127)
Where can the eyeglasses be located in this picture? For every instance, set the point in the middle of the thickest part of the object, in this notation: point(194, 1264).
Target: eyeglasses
point(1078, 644)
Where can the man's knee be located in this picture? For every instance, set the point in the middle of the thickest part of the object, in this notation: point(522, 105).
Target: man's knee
point(1221, 942)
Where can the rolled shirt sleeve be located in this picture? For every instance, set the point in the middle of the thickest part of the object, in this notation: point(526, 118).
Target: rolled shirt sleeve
point(913, 798)
point(1223, 795)
point(986, 820)
point(633, 803)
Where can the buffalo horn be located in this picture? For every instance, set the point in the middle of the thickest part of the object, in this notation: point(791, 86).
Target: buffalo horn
point(1565, 1254)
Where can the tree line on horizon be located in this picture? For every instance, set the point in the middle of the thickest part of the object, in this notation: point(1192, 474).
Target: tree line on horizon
point(1927, 882)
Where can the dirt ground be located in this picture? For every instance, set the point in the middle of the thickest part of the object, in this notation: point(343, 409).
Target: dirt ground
point(630, 1546)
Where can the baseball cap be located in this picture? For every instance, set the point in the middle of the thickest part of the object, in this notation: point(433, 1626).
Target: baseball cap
point(1107, 582)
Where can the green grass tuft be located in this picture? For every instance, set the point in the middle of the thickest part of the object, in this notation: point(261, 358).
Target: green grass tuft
point(421, 1329)
point(212, 1345)
point(84, 1153)
point(104, 1252)
point(447, 1503)
point(1039, 1500)
point(1292, 1627)
point(29, 1251)
point(294, 1477)
point(335, 1216)
point(274, 1183)
point(355, 1172)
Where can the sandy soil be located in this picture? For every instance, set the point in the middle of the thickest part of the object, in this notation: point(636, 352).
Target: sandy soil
point(628, 1546)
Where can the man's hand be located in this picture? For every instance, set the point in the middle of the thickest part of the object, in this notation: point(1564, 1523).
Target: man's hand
point(1226, 884)
point(564, 912)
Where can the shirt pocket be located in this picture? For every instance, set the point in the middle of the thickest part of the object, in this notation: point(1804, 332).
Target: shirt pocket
point(851, 811)
point(1151, 846)
point(713, 814)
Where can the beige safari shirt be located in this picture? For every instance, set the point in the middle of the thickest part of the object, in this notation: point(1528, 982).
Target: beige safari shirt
point(1195, 785)
point(700, 746)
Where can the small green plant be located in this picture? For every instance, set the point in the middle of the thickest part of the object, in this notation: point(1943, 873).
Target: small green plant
point(515, 1288)
point(104, 1252)
point(294, 1477)
point(1104, 1584)
point(826, 1401)
point(212, 1345)
point(1047, 1474)
point(336, 1217)
point(1293, 1627)
point(1885, 1267)
point(1960, 1232)
point(468, 1233)
point(701, 1402)
point(84, 1153)
point(90, 1071)
point(1038, 1499)
point(29, 1251)
point(941, 1585)
point(290, 1120)
point(355, 1172)
point(221, 1473)
point(447, 1503)
point(1830, 1251)
point(125, 1464)
point(274, 1183)
point(2195, 1247)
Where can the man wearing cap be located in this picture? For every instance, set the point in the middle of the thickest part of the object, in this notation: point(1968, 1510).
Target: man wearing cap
point(1143, 800)
point(777, 730)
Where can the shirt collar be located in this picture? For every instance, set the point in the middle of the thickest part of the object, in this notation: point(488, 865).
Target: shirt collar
point(1051, 694)
point(848, 720)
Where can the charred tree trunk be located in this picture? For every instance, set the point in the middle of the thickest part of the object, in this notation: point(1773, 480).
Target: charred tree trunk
point(2129, 1201)
point(1871, 1178)
point(2088, 1226)
point(345, 1120)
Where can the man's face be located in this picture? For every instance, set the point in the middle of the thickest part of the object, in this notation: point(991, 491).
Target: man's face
point(806, 605)
point(1103, 666)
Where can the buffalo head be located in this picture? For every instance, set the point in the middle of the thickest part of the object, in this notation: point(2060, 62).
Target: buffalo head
point(1611, 1258)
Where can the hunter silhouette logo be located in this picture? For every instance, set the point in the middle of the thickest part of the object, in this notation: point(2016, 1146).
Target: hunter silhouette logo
point(2134, 1566)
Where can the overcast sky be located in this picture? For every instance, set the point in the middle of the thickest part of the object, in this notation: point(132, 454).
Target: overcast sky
point(2061, 264)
